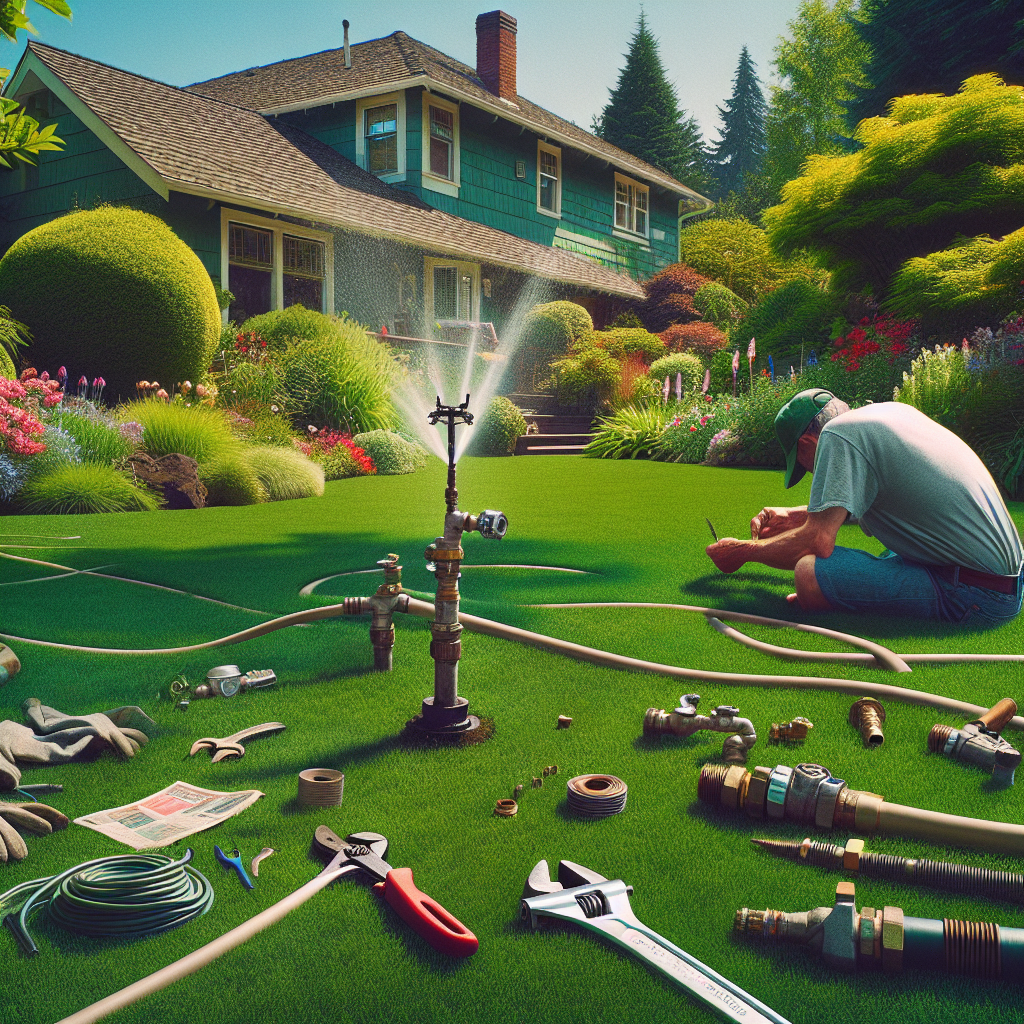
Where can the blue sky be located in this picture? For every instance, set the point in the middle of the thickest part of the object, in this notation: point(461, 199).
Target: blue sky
point(570, 51)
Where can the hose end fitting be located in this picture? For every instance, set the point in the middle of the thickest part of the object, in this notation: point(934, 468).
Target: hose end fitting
point(867, 715)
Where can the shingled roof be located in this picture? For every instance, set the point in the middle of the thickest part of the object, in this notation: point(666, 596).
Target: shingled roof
point(190, 143)
point(398, 60)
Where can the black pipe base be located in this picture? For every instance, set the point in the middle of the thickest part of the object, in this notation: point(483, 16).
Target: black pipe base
point(445, 721)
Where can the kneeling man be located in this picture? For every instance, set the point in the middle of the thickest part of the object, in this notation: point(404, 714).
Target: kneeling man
point(953, 552)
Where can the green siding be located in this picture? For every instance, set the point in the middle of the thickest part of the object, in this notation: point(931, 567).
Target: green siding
point(490, 193)
point(83, 174)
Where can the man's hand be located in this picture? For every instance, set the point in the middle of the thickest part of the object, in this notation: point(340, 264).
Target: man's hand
point(728, 554)
point(770, 522)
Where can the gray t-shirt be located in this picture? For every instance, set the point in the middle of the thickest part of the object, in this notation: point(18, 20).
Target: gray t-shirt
point(915, 486)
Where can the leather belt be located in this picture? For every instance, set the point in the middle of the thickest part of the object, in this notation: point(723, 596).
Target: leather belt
point(974, 578)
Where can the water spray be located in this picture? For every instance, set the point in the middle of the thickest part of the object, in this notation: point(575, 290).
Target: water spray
point(446, 712)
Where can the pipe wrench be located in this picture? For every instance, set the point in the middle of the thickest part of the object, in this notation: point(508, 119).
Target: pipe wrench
point(586, 898)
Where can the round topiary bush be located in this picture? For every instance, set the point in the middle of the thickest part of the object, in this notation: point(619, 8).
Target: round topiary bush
point(391, 454)
point(497, 431)
point(296, 323)
point(685, 363)
point(115, 293)
point(553, 326)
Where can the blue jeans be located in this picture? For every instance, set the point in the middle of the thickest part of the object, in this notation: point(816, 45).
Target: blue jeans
point(856, 581)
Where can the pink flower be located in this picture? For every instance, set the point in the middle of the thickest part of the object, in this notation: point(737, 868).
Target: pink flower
point(162, 394)
point(693, 430)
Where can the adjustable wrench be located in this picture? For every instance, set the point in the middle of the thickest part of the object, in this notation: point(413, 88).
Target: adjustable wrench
point(426, 916)
point(591, 900)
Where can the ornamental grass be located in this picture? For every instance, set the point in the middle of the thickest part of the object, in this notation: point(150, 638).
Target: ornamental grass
point(78, 488)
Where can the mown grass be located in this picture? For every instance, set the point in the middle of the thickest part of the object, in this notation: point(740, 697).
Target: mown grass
point(639, 531)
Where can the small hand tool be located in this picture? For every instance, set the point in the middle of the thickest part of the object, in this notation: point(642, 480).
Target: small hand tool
point(714, 536)
point(234, 861)
point(262, 855)
point(586, 898)
point(231, 746)
point(427, 917)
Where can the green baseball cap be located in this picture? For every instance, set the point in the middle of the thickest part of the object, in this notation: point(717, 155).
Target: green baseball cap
point(792, 420)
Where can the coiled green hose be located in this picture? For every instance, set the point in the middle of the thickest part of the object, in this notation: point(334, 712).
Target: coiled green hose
point(129, 896)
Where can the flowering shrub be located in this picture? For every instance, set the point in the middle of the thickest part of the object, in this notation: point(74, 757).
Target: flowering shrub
point(339, 455)
point(873, 358)
point(686, 437)
point(937, 384)
point(19, 404)
point(724, 449)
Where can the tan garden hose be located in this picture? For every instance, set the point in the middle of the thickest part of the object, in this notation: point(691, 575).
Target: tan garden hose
point(476, 624)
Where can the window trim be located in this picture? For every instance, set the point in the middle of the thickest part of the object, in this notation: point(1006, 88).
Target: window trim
point(446, 186)
point(544, 147)
point(429, 265)
point(629, 232)
point(278, 229)
point(365, 103)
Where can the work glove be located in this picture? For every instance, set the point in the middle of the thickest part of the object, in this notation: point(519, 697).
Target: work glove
point(39, 819)
point(120, 728)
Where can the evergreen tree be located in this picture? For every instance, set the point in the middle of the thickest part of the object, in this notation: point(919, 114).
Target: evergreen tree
point(819, 65)
point(931, 46)
point(643, 116)
point(740, 152)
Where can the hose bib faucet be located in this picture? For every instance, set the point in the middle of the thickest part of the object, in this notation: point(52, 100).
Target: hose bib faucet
point(446, 712)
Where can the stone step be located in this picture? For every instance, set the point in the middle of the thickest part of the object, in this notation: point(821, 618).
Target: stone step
point(552, 444)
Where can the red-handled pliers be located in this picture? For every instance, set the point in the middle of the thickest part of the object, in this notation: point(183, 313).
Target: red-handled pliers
point(427, 917)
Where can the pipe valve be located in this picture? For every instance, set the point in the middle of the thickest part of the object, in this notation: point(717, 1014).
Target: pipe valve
point(685, 721)
point(979, 742)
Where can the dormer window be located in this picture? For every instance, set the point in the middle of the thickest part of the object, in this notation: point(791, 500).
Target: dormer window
point(442, 141)
point(631, 204)
point(549, 179)
point(381, 138)
point(440, 145)
point(380, 135)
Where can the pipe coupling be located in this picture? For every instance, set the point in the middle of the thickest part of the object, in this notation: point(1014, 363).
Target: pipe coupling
point(867, 715)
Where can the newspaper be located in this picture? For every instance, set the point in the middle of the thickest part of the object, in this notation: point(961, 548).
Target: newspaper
point(165, 817)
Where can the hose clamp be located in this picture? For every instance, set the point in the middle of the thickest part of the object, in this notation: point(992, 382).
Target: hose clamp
point(951, 742)
point(778, 783)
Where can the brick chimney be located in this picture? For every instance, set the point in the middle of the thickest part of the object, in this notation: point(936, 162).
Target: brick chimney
point(496, 53)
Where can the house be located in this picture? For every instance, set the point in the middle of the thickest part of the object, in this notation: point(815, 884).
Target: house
point(382, 178)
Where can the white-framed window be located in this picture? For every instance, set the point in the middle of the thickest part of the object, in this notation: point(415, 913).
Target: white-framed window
point(631, 206)
point(441, 168)
point(452, 289)
point(380, 135)
point(549, 179)
point(268, 264)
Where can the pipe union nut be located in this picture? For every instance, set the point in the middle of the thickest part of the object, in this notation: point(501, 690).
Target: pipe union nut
point(734, 788)
point(892, 940)
point(803, 791)
point(757, 791)
point(851, 855)
point(825, 806)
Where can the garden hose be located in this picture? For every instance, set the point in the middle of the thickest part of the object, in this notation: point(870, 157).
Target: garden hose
point(127, 896)
point(477, 624)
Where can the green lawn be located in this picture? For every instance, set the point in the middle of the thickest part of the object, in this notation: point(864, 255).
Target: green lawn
point(638, 529)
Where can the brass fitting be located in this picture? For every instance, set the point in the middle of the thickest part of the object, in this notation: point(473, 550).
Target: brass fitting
point(685, 721)
point(867, 715)
point(809, 794)
point(979, 742)
point(790, 732)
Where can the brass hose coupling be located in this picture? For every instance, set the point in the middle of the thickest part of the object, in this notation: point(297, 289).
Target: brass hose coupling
point(685, 721)
point(809, 795)
point(867, 715)
point(847, 939)
point(979, 742)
